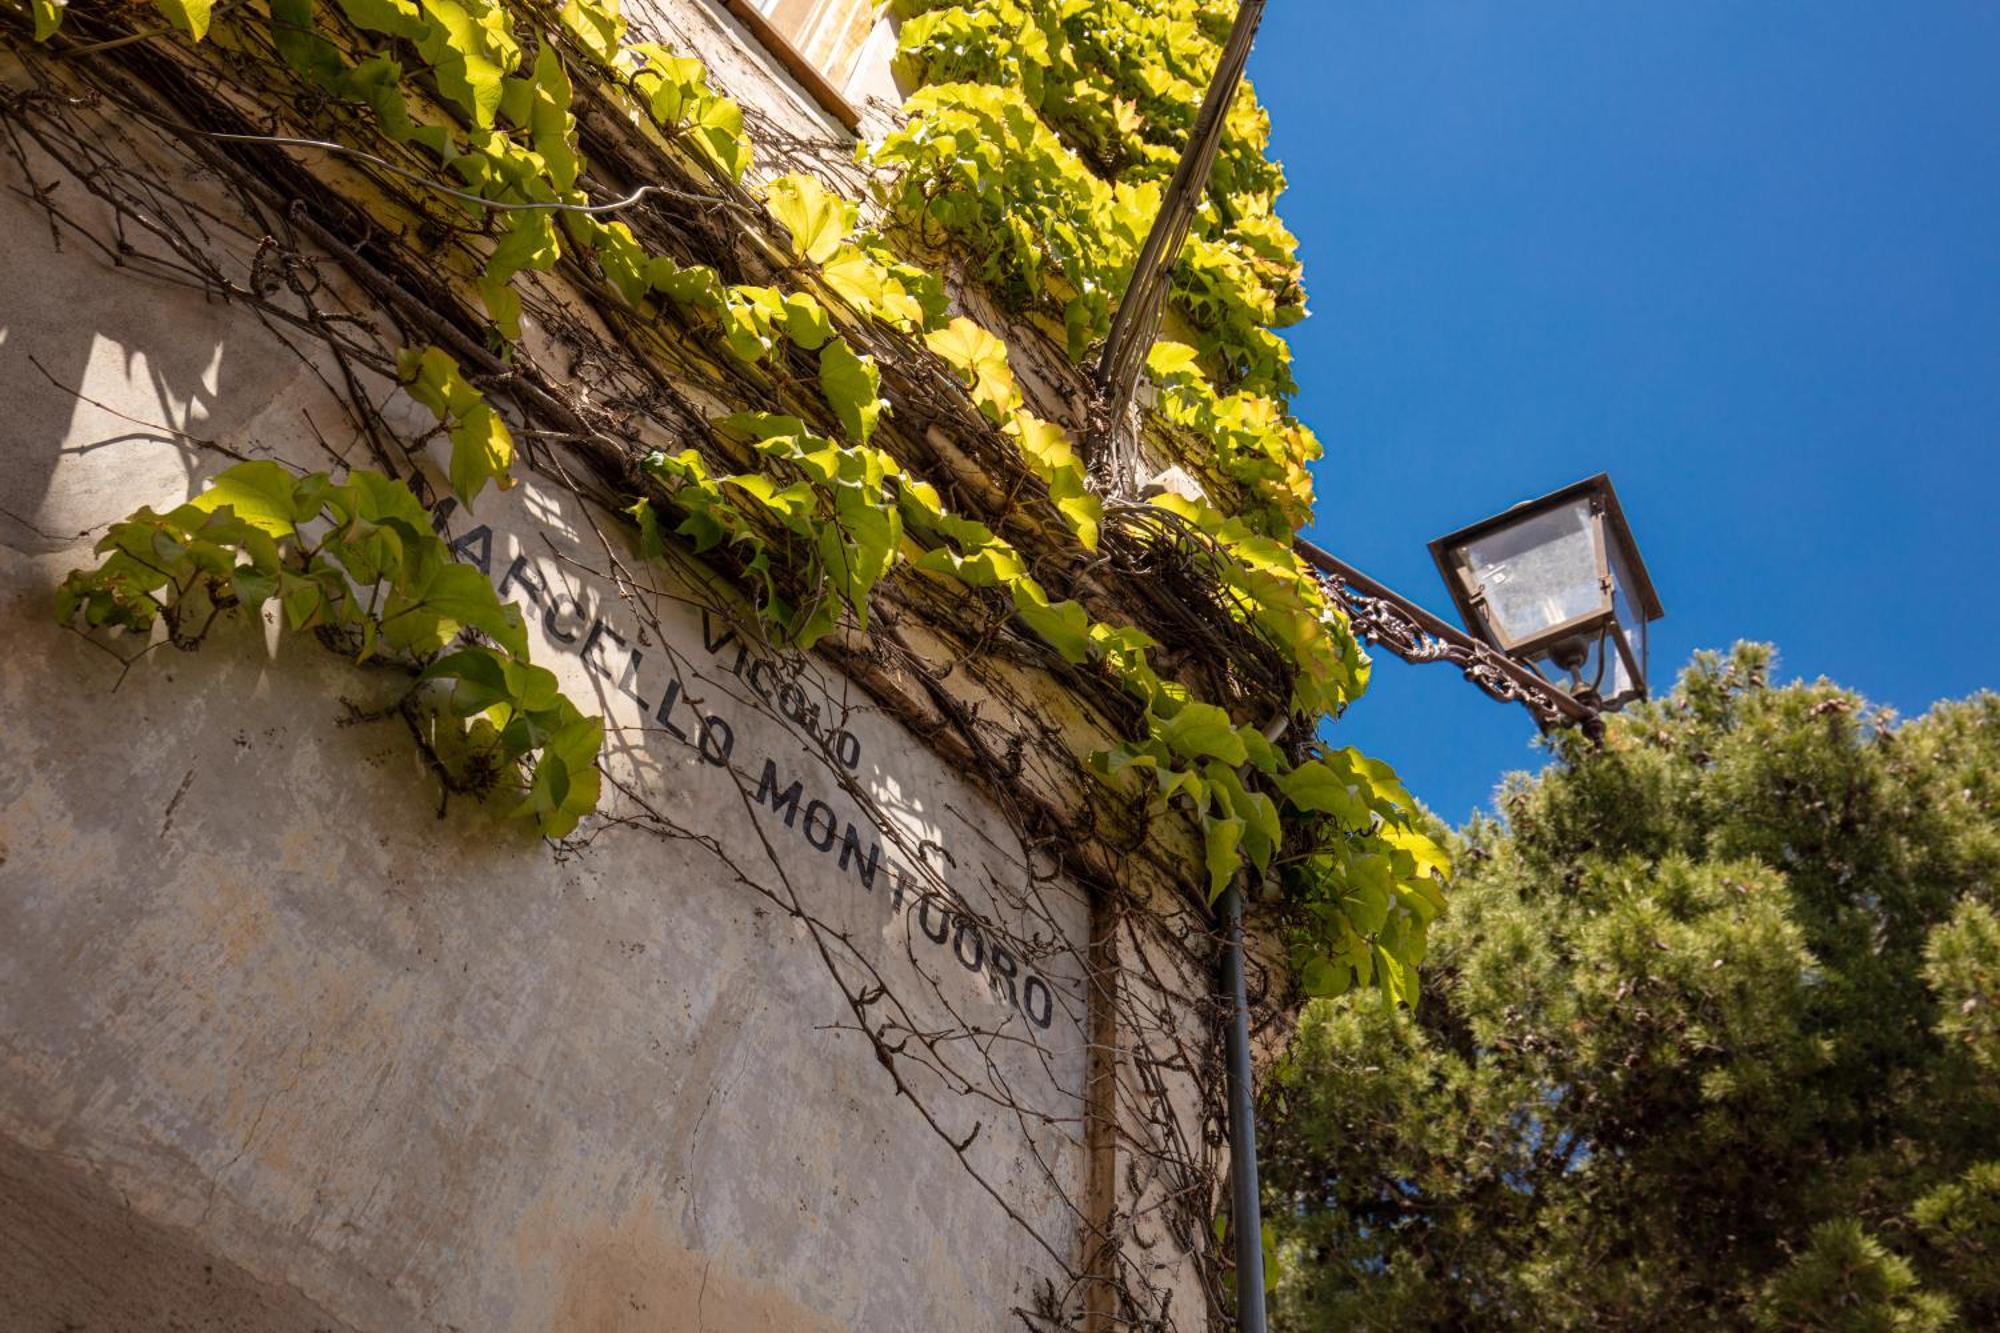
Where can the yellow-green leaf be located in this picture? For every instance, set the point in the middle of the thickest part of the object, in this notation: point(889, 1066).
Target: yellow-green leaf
point(1221, 839)
point(981, 360)
point(851, 385)
point(482, 449)
point(817, 219)
point(190, 16)
point(1203, 731)
point(262, 493)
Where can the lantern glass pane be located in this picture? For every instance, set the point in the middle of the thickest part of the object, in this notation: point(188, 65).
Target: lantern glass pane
point(1614, 681)
point(1539, 572)
point(1630, 618)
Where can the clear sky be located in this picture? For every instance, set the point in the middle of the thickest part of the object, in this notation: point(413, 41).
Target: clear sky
point(1745, 257)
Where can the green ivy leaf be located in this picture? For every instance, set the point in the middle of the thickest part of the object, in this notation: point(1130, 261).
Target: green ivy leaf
point(302, 45)
point(1316, 787)
point(1203, 731)
point(1221, 839)
point(190, 16)
point(1323, 980)
point(48, 17)
point(461, 594)
point(1064, 626)
point(1169, 359)
point(479, 679)
point(806, 323)
point(262, 494)
point(851, 384)
point(471, 48)
point(718, 133)
point(392, 18)
point(482, 450)
point(549, 120)
point(817, 219)
point(981, 360)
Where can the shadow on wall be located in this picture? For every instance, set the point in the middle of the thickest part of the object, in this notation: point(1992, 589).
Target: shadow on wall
point(72, 390)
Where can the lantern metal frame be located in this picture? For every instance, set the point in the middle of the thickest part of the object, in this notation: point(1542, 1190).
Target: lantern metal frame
point(1619, 570)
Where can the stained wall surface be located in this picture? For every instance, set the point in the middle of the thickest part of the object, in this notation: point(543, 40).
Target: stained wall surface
point(287, 1043)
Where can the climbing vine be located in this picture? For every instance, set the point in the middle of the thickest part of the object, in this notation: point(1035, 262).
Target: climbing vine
point(1037, 145)
point(356, 563)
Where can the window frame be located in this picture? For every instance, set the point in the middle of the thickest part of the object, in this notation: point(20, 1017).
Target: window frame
point(802, 70)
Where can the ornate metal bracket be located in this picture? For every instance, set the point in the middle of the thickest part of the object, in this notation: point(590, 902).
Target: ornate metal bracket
point(1383, 618)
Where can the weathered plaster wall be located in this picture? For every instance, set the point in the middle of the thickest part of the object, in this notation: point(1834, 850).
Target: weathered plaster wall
point(279, 1043)
point(281, 1047)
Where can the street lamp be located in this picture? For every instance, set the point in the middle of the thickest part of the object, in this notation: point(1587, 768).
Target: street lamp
point(1557, 583)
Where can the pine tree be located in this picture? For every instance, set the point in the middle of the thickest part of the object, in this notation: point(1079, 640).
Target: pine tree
point(1710, 1038)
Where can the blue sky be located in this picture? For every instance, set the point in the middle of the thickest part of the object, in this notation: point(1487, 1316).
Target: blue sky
point(1743, 256)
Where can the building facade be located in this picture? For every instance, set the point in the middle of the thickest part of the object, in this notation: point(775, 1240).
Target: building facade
point(850, 992)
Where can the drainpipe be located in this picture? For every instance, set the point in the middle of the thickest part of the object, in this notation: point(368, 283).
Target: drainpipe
point(1245, 1207)
point(1245, 1213)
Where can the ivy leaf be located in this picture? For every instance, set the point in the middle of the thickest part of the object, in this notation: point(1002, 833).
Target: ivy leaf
point(1314, 786)
point(1064, 626)
point(598, 25)
point(1263, 754)
point(461, 594)
point(302, 598)
point(190, 16)
point(1047, 448)
point(806, 323)
point(382, 500)
point(652, 545)
point(856, 279)
point(1220, 841)
point(48, 17)
point(981, 360)
point(549, 120)
point(758, 426)
point(427, 375)
point(1262, 830)
point(1169, 359)
point(718, 133)
point(261, 492)
point(851, 384)
point(466, 45)
point(480, 679)
point(1203, 731)
point(529, 242)
point(392, 18)
point(696, 286)
point(302, 45)
point(573, 788)
point(1365, 892)
point(1429, 857)
point(482, 449)
point(1322, 979)
point(817, 219)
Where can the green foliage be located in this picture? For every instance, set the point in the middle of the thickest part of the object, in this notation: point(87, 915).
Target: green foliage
point(1705, 1040)
point(1845, 1281)
point(357, 563)
point(1050, 182)
point(482, 449)
point(1039, 143)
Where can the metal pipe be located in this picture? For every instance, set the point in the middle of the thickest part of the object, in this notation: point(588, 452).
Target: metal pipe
point(1245, 1210)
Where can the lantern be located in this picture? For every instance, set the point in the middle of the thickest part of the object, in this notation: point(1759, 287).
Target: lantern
point(1557, 583)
